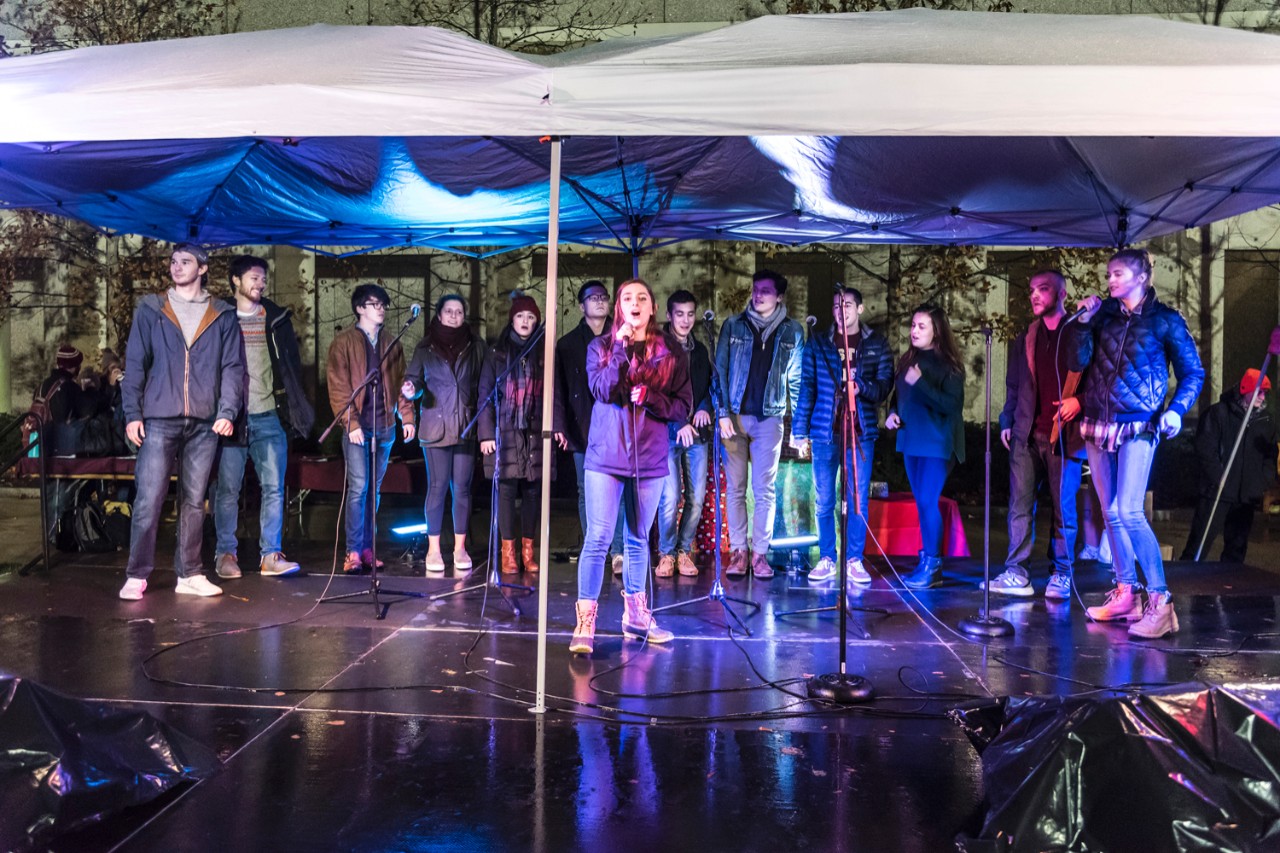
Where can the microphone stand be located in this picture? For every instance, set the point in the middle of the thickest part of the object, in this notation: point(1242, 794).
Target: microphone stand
point(841, 687)
point(717, 593)
point(984, 625)
point(848, 438)
point(374, 380)
point(494, 579)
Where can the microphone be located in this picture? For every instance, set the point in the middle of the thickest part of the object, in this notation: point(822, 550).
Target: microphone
point(708, 316)
point(811, 321)
point(1080, 312)
point(414, 310)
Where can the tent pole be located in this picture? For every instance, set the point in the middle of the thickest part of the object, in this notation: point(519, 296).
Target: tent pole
point(548, 386)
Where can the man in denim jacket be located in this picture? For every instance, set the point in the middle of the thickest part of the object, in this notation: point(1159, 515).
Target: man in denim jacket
point(758, 359)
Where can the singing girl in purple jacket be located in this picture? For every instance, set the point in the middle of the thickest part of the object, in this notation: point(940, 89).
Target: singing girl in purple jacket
point(640, 380)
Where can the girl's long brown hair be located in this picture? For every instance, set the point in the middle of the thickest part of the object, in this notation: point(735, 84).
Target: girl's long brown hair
point(654, 368)
point(944, 341)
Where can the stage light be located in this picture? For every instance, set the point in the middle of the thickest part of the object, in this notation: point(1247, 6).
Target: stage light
point(409, 530)
point(807, 540)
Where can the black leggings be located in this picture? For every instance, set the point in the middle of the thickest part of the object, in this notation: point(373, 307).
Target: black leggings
point(529, 493)
point(449, 470)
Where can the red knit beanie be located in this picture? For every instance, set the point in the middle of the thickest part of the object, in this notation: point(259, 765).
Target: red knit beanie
point(524, 303)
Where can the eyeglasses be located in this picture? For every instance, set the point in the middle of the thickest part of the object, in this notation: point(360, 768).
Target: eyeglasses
point(373, 303)
point(597, 297)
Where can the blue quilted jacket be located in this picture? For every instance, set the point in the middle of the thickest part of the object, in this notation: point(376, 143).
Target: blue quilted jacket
point(822, 386)
point(1127, 357)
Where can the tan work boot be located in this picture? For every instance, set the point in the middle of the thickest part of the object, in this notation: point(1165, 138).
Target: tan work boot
point(686, 565)
point(527, 552)
point(584, 633)
point(1157, 619)
point(1124, 603)
point(666, 566)
point(227, 567)
point(638, 621)
point(737, 564)
point(352, 565)
point(760, 567)
point(618, 562)
point(275, 566)
point(509, 564)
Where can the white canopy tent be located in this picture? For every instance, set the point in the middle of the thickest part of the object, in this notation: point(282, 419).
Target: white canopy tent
point(907, 126)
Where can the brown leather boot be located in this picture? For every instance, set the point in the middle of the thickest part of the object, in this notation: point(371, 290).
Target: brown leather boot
point(509, 565)
point(527, 554)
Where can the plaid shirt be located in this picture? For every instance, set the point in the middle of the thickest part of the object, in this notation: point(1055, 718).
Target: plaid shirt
point(1109, 436)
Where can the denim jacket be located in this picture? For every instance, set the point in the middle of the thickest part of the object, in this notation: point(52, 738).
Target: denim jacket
point(733, 363)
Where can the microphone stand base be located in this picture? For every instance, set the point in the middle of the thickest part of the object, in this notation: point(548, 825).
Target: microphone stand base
point(841, 688)
point(987, 626)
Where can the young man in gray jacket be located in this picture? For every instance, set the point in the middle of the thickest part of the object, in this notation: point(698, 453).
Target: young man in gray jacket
point(183, 387)
point(759, 360)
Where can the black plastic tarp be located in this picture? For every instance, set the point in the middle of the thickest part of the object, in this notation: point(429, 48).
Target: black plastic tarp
point(1185, 768)
point(66, 763)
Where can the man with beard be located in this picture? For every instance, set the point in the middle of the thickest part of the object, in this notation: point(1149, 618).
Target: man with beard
point(1045, 449)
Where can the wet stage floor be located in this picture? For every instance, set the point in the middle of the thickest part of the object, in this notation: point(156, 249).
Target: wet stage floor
point(341, 732)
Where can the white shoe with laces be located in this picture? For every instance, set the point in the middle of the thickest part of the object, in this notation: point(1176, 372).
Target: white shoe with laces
point(133, 589)
point(824, 571)
point(857, 573)
point(1010, 583)
point(197, 585)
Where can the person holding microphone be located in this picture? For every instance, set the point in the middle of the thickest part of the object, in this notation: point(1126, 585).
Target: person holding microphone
point(1127, 343)
point(639, 378)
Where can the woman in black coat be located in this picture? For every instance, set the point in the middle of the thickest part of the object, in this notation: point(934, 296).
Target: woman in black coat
point(444, 375)
point(511, 436)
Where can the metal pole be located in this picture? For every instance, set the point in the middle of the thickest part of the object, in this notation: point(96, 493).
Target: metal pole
point(548, 386)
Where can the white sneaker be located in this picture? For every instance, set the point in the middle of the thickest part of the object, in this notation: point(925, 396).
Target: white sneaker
point(1010, 583)
point(197, 585)
point(855, 572)
point(825, 570)
point(133, 589)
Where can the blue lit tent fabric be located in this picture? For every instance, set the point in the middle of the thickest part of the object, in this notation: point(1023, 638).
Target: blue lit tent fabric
point(905, 127)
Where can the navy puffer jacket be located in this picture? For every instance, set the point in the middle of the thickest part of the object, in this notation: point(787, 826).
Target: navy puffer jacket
point(1128, 357)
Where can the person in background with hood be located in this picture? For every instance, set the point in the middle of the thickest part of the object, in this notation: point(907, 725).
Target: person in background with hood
point(1252, 472)
point(444, 375)
point(511, 435)
point(759, 359)
point(640, 379)
point(183, 387)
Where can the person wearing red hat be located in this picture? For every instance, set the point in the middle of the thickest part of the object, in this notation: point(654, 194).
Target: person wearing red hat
point(1252, 472)
point(510, 430)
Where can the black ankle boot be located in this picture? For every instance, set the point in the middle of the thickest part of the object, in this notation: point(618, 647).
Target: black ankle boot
point(928, 573)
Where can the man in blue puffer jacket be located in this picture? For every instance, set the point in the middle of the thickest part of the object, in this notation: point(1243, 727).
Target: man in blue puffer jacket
point(1127, 343)
point(184, 385)
point(820, 419)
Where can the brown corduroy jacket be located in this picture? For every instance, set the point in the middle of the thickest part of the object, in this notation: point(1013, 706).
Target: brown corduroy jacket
point(347, 368)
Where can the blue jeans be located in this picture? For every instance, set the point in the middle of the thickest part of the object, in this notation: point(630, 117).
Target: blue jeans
point(1120, 479)
point(615, 544)
point(686, 478)
point(269, 449)
point(608, 495)
point(363, 497)
point(1032, 466)
point(826, 476)
point(191, 445)
point(927, 475)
